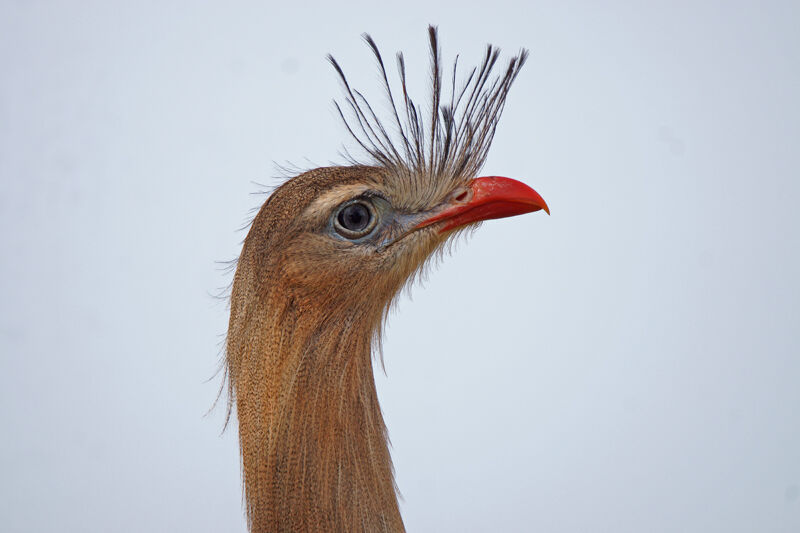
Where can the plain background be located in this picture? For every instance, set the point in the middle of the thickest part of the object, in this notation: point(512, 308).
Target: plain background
point(631, 363)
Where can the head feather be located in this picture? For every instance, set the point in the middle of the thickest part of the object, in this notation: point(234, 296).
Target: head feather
point(451, 144)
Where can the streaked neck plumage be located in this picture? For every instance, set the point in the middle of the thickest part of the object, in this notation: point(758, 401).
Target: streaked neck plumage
point(314, 446)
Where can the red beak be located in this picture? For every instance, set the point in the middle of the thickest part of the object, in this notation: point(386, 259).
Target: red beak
point(487, 198)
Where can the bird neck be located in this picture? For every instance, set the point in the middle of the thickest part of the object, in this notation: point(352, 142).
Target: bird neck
point(314, 446)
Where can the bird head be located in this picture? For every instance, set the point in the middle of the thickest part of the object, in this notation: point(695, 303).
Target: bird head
point(347, 238)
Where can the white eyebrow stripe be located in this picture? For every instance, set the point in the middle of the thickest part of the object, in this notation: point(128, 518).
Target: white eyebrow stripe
point(322, 206)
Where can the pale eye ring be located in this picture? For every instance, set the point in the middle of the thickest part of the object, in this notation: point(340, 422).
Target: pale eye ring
point(355, 219)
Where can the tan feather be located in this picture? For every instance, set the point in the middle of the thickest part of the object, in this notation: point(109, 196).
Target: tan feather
point(307, 307)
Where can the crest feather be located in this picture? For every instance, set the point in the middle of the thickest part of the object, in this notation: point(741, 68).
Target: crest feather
point(452, 143)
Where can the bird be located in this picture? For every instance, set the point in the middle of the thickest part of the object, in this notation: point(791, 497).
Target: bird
point(322, 263)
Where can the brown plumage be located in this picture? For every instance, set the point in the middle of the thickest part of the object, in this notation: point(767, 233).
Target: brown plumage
point(325, 256)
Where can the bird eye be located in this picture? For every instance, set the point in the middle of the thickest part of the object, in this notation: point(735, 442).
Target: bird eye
point(355, 220)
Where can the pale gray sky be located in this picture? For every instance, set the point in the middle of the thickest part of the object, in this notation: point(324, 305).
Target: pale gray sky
point(629, 364)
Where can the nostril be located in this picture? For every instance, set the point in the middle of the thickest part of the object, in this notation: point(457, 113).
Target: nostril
point(462, 197)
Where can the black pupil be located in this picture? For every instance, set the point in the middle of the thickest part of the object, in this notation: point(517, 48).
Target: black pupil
point(354, 217)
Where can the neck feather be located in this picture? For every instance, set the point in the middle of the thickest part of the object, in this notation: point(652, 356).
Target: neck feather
point(314, 446)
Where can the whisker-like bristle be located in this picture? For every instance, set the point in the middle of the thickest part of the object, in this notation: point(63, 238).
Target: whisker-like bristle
point(450, 146)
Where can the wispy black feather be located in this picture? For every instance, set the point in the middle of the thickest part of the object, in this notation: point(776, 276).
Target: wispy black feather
point(452, 144)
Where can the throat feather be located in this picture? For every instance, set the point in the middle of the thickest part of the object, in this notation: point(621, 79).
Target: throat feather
point(314, 447)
